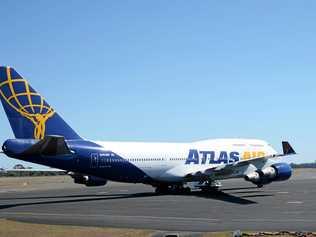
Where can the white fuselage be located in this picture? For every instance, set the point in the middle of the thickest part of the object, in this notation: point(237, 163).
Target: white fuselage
point(170, 161)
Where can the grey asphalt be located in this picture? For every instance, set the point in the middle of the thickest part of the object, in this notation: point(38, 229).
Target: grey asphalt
point(286, 205)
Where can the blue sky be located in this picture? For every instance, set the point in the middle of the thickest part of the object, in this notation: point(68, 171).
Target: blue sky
point(169, 70)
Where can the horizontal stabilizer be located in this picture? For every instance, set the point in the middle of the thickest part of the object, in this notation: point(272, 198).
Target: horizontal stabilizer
point(49, 146)
point(287, 148)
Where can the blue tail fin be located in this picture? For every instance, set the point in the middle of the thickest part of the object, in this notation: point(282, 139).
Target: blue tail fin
point(29, 114)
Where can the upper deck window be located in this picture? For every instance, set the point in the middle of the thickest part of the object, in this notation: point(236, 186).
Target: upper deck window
point(257, 145)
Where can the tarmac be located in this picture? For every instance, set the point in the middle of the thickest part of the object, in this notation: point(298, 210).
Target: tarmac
point(288, 205)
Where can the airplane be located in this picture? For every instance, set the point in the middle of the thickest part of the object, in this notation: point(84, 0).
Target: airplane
point(43, 137)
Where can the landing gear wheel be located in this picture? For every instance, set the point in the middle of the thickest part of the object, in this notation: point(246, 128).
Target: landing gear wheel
point(162, 190)
point(172, 189)
point(187, 190)
point(210, 186)
point(180, 189)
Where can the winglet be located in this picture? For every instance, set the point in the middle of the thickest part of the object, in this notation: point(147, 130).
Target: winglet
point(287, 148)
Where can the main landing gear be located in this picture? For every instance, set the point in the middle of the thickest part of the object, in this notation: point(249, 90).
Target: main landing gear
point(172, 189)
point(209, 186)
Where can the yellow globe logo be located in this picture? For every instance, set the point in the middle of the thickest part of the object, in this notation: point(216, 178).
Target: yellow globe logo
point(26, 102)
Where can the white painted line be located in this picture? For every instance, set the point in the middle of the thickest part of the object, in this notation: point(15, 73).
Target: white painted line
point(111, 216)
point(159, 218)
point(295, 202)
point(275, 220)
point(282, 192)
point(102, 192)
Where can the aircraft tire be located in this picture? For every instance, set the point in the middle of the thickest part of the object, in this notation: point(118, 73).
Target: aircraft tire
point(162, 190)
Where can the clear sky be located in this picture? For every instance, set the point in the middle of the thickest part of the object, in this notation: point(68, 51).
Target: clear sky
point(169, 70)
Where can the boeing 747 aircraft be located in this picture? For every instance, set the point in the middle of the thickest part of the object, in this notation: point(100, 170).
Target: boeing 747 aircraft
point(43, 137)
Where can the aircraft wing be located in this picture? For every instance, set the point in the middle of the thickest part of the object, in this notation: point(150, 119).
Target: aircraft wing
point(228, 169)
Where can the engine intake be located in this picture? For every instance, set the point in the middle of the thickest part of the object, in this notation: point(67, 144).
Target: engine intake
point(275, 172)
point(88, 180)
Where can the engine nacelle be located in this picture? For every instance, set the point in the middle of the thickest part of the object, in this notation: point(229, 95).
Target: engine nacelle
point(284, 171)
point(88, 180)
point(275, 172)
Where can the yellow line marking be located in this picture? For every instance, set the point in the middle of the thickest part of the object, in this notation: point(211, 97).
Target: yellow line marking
point(21, 94)
point(45, 107)
point(27, 88)
point(12, 89)
point(42, 104)
point(13, 80)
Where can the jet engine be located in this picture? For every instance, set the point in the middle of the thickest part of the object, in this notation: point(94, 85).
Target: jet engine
point(88, 180)
point(275, 172)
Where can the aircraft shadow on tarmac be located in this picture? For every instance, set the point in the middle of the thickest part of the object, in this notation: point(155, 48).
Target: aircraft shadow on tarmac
point(219, 195)
point(240, 188)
